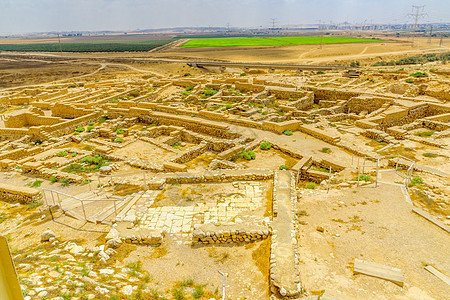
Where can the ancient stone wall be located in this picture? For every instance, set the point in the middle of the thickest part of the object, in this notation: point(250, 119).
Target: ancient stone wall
point(15, 194)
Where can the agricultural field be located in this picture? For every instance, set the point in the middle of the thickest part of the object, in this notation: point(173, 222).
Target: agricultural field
point(271, 41)
point(91, 46)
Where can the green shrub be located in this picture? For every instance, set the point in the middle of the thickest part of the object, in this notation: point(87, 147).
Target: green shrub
point(431, 155)
point(185, 93)
point(187, 74)
point(265, 146)
point(362, 178)
point(418, 74)
point(248, 155)
point(114, 101)
point(66, 182)
point(80, 129)
point(425, 133)
point(228, 106)
point(89, 128)
point(92, 160)
point(118, 140)
point(208, 92)
point(35, 184)
point(310, 185)
point(288, 132)
point(178, 293)
point(91, 123)
point(62, 153)
point(416, 180)
point(102, 119)
point(35, 204)
point(198, 291)
point(119, 131)
point(189, 88)
point(325, 150)
point(135, 94)
point(320, 72)
point(283, 167)
point(73, 169)
point(355, 64)
point(243, 74)
point(53, 179)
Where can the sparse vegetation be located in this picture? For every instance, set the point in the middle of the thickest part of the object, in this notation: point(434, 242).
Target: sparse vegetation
point(362, 178)
point(429, 155)
point(325, 150)
point(283, 167)
point(248, 155)
point(265, 146)
point(62, 153)
point(310, 185)
point(288, 132)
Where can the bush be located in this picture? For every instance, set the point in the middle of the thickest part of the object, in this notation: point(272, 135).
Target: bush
point(208, 92)
point(431, 155)
point(119, 131)
point(53, 179)
point(118, 140)
point(425, 133)
point(35, 184)
point(189, 88)
point(66, 182)
point(187, 74)
point(102, 119)
point(228, 106)
point(74, 168)
point(320, 72)
point(418, 74)
point(416, 180)
point(135, 94)
point(355, 64)
point(248, 155)
point(265, 146)
point(310, 185)
point(91, 123)
point(283, 167)
point(80, 129)
point(325, 150)
point(114, 101)
point(409, 80)
point(92, 160)
point(288, 132)
point(362, 178)
point(243, 74)
point(198, 291)
point(89, 128)
point(62, 153)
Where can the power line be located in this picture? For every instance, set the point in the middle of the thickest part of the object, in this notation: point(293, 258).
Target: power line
point(273, 21)
point(419, 13)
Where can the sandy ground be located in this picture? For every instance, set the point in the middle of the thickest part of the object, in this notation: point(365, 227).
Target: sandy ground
point(375, 225)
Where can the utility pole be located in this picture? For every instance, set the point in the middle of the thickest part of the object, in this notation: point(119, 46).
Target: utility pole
point(440, 41)
point(59, 40)
point(431, 32)
point(419, 13)
point(274, 20)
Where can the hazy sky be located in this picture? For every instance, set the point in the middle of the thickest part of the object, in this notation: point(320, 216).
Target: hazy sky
point(19, 16)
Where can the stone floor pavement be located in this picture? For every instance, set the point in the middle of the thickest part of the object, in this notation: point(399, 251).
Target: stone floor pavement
point(245, 198)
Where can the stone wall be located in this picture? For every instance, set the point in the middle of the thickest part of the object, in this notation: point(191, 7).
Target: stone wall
point(15, 194)
point(227, 234)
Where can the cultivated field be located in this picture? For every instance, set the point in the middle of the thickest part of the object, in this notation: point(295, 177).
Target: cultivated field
point(271, 41)
point(87, 46)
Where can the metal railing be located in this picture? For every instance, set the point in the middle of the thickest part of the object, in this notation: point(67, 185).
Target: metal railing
point(408, 171)
point(358, 167)
point(56, 200)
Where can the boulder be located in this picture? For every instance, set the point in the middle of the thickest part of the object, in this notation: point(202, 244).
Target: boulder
point(114, 243)
point(46, 235)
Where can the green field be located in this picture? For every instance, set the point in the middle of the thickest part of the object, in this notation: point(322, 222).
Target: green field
point(272, 41)
point(94, 46)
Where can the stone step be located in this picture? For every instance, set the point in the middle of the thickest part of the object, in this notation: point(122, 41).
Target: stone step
point(130, 203)
point(102, 215)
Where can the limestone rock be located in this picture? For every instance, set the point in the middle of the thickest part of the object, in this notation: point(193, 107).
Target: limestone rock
point(46, 235)
point(114, 243)
point(127, 290)
point(112, 234)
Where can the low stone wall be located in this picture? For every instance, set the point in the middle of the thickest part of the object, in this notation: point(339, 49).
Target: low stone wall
point(227, 234)
point(16, 194)
point(320, 134)
point(218, 176)
point(190, 153)
point(378, 135)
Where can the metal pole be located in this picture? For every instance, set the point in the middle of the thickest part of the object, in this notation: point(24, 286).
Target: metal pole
point(223, 285)
point(378, 163)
